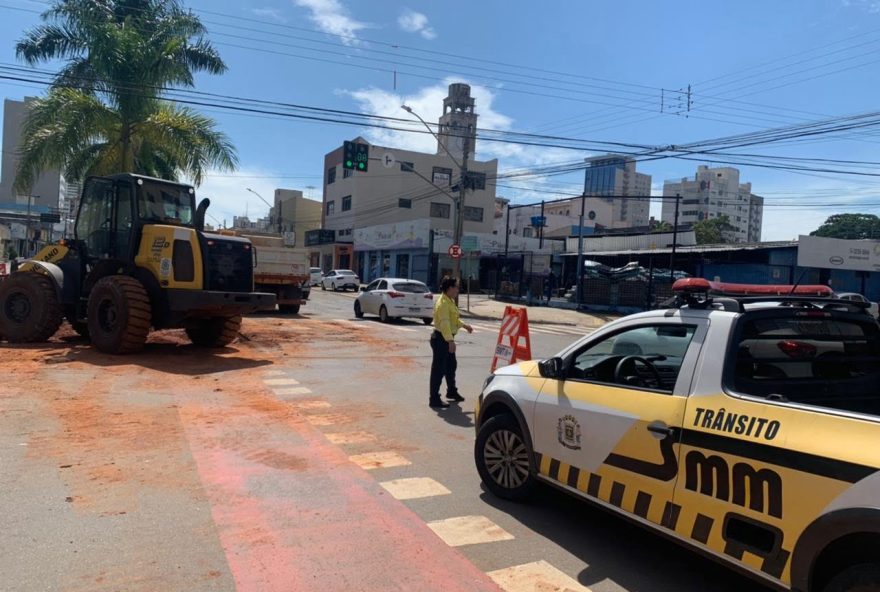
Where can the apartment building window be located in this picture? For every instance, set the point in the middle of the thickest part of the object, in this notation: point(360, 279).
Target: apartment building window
point(330, 208)
point(439, 210)
point(331, 175)
point(346, 173)
point(527, 232)
point(442, 177)
point(407, 167)
point(404, 203)
point(346, 203)
point(473, 214)
point(344, 232)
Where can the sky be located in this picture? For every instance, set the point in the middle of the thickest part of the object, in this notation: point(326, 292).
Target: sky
point(595, 71)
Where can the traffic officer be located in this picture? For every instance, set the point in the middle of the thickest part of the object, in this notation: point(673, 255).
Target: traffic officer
point(447, 323)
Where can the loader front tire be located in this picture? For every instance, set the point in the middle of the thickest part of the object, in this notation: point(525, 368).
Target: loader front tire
point(213, 332)
point(119, 315)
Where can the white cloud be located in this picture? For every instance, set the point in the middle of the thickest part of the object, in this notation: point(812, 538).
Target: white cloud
point(428, 103)
point(416, 22)
point(269, 13)
point(330, 17)
point(872, 6)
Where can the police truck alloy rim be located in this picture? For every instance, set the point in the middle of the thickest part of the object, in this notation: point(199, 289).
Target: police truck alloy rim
point(507, 459)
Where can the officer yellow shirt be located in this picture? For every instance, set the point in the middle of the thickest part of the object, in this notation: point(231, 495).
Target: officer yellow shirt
point(446, 318)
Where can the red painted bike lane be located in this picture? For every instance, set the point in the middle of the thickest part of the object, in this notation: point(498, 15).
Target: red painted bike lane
point(294, 514)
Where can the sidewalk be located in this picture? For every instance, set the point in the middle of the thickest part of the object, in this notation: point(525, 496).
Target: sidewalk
point(483, 306)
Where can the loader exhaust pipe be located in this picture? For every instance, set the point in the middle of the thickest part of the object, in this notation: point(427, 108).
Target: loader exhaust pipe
point(199, 219)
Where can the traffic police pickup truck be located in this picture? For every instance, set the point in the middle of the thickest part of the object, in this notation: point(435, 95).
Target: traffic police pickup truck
point(743, 422)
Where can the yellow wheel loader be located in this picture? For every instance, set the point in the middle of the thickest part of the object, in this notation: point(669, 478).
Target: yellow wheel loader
point(139, 258)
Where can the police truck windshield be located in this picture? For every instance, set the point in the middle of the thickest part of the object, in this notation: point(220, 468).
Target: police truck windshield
point(167, 203)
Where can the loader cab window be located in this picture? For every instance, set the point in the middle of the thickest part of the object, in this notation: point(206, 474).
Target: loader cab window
point(94, 225)
point(124, 210)
point(165, 203)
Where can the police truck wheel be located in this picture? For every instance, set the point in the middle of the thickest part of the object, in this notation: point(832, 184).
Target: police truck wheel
point(358, 312)
point(289, 308)
point(29, 308)
point(427, 321)
point(864, 577)
point(503, 458)
point(119, 315)
point(213, 332)
point(383, 314)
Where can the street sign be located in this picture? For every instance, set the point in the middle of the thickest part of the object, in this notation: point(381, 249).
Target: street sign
point(469, 244)
point(289, 238)
point(388, 160)
point(454, 251)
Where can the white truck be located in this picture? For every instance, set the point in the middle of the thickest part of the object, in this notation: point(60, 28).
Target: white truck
point(281, 270)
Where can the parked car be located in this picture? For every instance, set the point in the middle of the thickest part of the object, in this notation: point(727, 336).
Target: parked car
point(395, 298)
point(315, 276)
point(874, 308)
point(340, 279)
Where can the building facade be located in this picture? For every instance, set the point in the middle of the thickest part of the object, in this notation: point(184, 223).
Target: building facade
point(23, 216)
point(295, 215)
point(715, 192)
point(618, 195)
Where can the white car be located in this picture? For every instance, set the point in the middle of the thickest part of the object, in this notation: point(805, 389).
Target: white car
point(315, 276)
point(873, 309)
point(340, 279)
point(395, 298)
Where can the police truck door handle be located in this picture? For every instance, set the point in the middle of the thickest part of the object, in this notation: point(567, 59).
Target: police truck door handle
point(660, 428)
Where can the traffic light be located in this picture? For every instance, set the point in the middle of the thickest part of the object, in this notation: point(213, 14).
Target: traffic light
point(355, 156)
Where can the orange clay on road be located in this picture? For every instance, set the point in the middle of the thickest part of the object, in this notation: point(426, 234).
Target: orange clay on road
point(289, 509)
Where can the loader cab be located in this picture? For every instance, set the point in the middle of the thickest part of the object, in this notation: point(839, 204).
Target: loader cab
point(114, 209)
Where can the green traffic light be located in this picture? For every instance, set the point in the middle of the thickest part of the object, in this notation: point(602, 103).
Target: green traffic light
point(348, 163)
point(360, 165)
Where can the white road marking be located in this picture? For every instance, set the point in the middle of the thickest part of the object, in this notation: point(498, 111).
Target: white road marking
point(305, 405)
point(328, 419)
point(378, 460)
point(297, 390)
point(531, 577)
point(271, 373)
point(468, 530)
point(280, 381)
point(350, 437)
point(414, 488)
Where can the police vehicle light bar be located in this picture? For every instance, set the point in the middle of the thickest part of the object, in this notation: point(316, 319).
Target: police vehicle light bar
point(704, 286)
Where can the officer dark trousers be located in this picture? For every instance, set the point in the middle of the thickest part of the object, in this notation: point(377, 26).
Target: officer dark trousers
point(443, 365)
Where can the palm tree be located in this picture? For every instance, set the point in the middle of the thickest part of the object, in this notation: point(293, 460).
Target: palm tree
point(105, 112)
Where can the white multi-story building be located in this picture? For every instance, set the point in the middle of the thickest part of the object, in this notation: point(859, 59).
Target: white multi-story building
point(405, 199)
point(715, 192)
point(618, 195)
point(20, 211)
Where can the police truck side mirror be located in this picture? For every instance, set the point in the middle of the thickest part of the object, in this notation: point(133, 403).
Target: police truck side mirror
point(551, 368)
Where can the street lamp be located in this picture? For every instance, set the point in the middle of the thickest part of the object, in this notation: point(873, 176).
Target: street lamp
point(278, 214)
point(462, 187)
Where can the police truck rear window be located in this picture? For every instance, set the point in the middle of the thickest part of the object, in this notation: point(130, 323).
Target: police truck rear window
point(813, 360)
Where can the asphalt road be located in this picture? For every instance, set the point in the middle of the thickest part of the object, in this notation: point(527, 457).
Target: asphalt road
point(595, 549)
point(303, 457)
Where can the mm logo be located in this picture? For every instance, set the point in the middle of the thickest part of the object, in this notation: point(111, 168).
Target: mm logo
point(757, 489)
point(836, 260)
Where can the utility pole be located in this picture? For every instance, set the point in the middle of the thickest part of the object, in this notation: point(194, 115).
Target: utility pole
point(462, 190)
point(674, 240)
point(580, 258)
